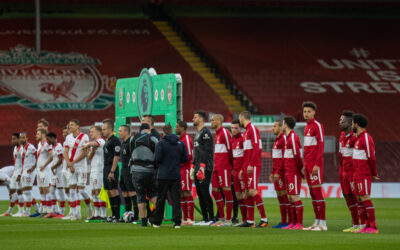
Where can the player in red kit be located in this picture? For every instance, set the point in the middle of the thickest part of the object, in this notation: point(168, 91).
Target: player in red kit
point(293, 164)
point(221, 178)
point(252, 149)
point(187, 202)
point(346, 145)
point(278, 174)
point(314, 164)
point(239, 182)
point(364, 165)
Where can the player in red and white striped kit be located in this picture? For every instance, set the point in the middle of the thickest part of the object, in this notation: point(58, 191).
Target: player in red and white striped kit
point(364, 164)
point(187, 202)
point(314, 164)
point(221, 178)
point(239, 181)
point(346, 145)
point(293, 164)
point(252, 148)
point(278, 174)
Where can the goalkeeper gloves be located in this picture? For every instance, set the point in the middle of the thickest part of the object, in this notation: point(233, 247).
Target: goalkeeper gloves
point(200, 174)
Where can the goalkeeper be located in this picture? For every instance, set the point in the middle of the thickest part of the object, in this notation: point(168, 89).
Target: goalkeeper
point(203, 153)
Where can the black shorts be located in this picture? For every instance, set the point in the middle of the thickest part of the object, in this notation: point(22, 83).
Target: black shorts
point(145, 185)
point(110, 185)
point(125, 182)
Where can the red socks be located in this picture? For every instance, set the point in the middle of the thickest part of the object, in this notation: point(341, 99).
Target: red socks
point(220, 203)
point(190, 207)
point(362, 213)
point(370, 211)
point(352, 205)
point(184, 208)
point(243, 209)
point(250, 209)
point(283, 208)
point(260, 206)
point(294, 219)
point(299, 211)
point(229, 203)
point(320, 206)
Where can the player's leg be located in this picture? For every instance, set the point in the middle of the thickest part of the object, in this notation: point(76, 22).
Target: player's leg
point(216, 192)
point(351, 202)
point(131, 194)
point(13, 198)
point(227, 191)
point(364, 191)
point(72, 182)
point(239, 186)
point(20, 200)
point(137, 180)
point(184, 207)
point(253, 191)
point(162, 192)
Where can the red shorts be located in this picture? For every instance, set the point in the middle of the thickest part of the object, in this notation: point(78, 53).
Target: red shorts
point(314, 180)
point(186, 182)
point(252, 179)
point(293, 184)
point(363, 185)
point(239, 184)
point(280, 184)
point(221, 178)
point(347, 185)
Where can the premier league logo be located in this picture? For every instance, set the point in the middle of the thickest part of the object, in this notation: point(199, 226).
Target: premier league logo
point(145, 97)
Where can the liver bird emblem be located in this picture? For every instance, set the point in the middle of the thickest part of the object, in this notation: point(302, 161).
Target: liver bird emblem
point(61, 90)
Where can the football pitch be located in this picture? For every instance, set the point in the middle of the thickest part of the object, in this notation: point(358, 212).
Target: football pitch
point(40, 233)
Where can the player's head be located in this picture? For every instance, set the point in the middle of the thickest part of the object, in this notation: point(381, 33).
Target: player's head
point(95, 132)
point(23, 138)
point(65, 131)
point(73, 126)
point(167, 129)
point(235, 127)
point(51, 138)
point(124, 132)
point(216, 121)
point(43, 123)
point(309, 109)
point(40, 134)
point(288, 124)
point(346, 120)
point(277, 129)
point(199, 117)
point(180, 128)
point(360, 122)
point(149, 119)
point(15, 139)
point(108, 128)
point(244, 118)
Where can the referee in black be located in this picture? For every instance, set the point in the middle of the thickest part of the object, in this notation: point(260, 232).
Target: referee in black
point(125, 183)
point(203, 153)
point(112, 149)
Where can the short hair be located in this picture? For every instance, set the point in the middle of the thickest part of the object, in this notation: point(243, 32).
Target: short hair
point(42, 130)
point(24, 133)
point(151, 119)
point(309, 104)
point(219, 117)
point(51, 135)
point(182, 124)
point(202, 114)
point(16, 135)
point(65, 127)
point(246, 114)
point(280, 122)
point(127, 128)
point(44, 122)
point(109, 123)
point(76, 121)
point(167, 129)
point(361, 120)
point(98, 128)
point(236, 121)
point(290, 121)
point(347, 113)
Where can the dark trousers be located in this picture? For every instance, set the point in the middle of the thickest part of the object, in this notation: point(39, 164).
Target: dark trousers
point(203, 192)
point(174, 188)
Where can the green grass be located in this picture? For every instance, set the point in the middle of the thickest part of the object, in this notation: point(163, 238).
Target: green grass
point(38, 233)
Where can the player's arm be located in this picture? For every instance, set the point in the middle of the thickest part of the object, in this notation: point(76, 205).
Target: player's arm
point(33, 152)
point(320, 144)
point(255, 152)
point(189, 150)
point(297, 154)
point(340, 156)
point(49, 160)
point(229, 147)
point(116, 152)
point(184, 155)
point(81, 156)
point(371, 157)
point(208, 147)
point(58, 163)
point(158, 154)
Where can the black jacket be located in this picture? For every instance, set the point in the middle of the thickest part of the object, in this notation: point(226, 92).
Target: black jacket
point(170, 153)
point(203, 149)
